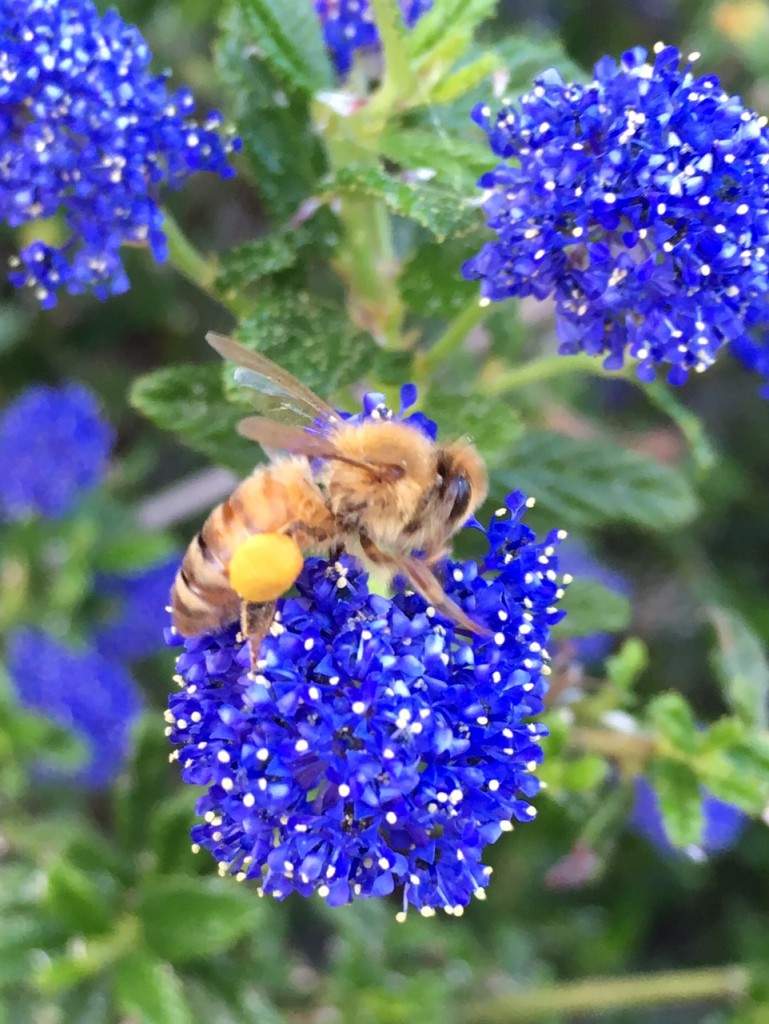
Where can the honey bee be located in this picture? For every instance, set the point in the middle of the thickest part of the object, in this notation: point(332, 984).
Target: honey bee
point(379, 488)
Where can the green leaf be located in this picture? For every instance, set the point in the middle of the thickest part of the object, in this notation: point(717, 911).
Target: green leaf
point(734, 765)
point(587, 483)
point(142, 788)
point(274, 253)
point(149, 991)
point(464, 79)
point(288, 36)
point(169, 834)
point(77, 901)
point(238, 1006)
point(253, 260)
point(513, 62)
point(740, 662)
point(456, 162)
point(440, 210)
point(21, 935)
point(592, 608)
point(585, 774)
point(185, 919)
point(673, 718)
point(624, 667)
point(190, 402)
point(269, 100)
point(133, 550)
point(431, 281)
point(678, 792)
point(310, 337)
point(455, 17)
point(663, 398)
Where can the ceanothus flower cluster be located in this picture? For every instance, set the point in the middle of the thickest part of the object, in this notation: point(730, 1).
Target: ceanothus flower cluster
point(348, 26)
point(377, 745)
point(54, 447)
point(89, 135)
point(639, 202)
point(93, 697)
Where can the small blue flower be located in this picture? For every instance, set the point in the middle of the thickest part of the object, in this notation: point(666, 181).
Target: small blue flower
point(640, 203)
point(88, 133)
point(54, 447)
point(136, 603)
point(376, 746)
point(81, 691)
point(348, 25)
point(723, 823)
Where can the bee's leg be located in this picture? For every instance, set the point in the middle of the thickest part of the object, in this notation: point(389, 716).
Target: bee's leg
point(255, 621)
point(424, 581)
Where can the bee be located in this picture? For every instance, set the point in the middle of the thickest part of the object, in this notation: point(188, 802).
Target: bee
point(379, 488)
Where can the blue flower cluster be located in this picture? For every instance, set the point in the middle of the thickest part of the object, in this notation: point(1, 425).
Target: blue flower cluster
point(136, 604)
point(89, 134)
point(54, 446)
point(375, 746)
point(92, 696)
point(722, 824)
point(348, 26)
point(640, 203)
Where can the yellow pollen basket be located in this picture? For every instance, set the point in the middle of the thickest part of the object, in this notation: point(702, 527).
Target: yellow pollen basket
point(265, 566)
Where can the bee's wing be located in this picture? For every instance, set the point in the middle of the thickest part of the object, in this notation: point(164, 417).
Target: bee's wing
point(280, 394)
point(285, 437)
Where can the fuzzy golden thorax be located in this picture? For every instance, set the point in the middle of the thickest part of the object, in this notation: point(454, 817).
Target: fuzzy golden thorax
point(415, 496)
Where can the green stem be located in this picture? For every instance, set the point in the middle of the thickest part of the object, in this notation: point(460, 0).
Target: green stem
point(199, 270)
point(594, 995)
point(399, 80)
point(620, 746)
point(499, 382)
point(427, 362)
point(367, 262)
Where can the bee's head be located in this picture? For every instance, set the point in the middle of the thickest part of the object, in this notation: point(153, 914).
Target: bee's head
point(460, 485)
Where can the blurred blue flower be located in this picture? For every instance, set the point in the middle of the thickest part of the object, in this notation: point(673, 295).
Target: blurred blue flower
point(722, 826)
point(136, 604)
point(376, 746)
point(754, 354)
point(54, 446)
point(81, 691)
point(640, 203)
point(577, 561)
point(88, 133)
point(348, 25)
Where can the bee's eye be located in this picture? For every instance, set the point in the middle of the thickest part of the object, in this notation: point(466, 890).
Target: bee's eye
point(461, 492)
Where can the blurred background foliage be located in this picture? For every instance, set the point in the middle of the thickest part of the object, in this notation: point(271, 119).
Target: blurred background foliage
point(106, 914)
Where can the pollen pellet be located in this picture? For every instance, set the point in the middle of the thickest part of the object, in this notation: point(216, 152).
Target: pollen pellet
point(265, 566)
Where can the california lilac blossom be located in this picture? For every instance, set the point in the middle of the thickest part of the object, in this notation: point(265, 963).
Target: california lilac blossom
point(376, 746)
point(348, 25)
point(81, 691)
point(136, 602)
point(722, 826)
point(54, 447)
point(89, 134)
point(640, 203)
